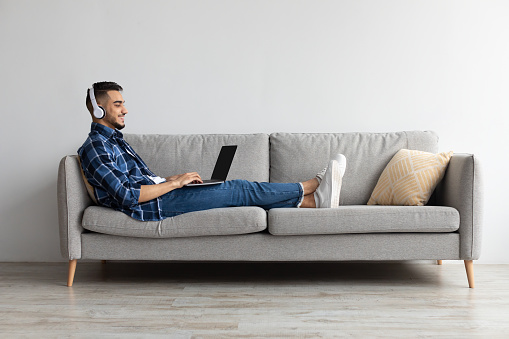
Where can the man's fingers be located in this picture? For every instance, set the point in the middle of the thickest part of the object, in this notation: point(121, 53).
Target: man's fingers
point(194, 175)
point(191, 177)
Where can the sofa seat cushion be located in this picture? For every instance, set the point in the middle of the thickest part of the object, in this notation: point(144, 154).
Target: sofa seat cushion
point(220, 221)
point(363, 219)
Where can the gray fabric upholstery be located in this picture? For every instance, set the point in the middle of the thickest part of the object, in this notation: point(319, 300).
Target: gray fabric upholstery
point(266, 247)
point(167, 155)
point(72, 200)
point(462, 189)
point(220, 221)
point(298, 157)
point(294, 157)
point(362, 219)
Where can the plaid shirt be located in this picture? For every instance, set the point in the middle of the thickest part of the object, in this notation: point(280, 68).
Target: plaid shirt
point(116, 172)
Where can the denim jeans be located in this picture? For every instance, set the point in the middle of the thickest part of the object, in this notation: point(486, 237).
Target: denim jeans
point(232, 193)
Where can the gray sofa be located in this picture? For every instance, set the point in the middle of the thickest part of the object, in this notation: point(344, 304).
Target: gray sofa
point(447, 228)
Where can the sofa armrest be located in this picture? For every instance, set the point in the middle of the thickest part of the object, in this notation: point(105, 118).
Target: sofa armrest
point(462, 189)
point(73, 199)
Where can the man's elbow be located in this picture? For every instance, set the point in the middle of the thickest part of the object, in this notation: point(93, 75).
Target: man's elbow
point(130, 204)
point(130, 199)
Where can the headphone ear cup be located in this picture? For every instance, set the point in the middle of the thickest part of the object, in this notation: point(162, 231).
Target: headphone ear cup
point(99, 112)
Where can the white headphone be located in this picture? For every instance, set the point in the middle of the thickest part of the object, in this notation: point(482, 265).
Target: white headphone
point(99, 111)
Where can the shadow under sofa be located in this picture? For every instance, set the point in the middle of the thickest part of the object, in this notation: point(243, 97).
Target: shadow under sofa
point(447, 228)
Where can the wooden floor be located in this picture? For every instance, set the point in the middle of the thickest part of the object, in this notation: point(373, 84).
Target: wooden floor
point(249, 300)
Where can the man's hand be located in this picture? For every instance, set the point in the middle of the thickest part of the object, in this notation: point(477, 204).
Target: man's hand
point(186, 178)
point(149, 192)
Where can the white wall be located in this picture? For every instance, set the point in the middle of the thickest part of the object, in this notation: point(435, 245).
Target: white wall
point(258, 66)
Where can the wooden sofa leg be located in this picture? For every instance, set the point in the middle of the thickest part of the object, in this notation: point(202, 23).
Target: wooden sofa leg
point(72, 269)
point(439, 262)
point(469, 266)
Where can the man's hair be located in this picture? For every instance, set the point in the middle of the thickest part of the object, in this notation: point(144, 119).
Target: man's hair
point(101, 92)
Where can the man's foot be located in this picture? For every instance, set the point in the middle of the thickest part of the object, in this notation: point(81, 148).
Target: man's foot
point(341, 159)
point(327, 194)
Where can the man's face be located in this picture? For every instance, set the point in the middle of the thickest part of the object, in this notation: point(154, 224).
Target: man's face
point(115, 111)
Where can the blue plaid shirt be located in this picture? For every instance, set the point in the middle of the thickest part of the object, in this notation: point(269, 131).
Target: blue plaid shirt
point(116, 172)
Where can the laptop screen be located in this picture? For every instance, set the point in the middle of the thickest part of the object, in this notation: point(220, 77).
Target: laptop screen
point(224, 162)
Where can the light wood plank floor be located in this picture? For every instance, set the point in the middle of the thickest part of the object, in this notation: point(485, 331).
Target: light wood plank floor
point(250, 300)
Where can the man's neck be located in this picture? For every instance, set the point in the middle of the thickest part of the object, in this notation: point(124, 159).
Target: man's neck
point(104, 123)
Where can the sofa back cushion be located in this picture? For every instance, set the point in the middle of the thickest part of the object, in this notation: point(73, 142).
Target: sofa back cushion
point(168, 155)
point(297, 157)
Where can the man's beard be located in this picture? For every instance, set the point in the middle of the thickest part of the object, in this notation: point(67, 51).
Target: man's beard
point(116, 124)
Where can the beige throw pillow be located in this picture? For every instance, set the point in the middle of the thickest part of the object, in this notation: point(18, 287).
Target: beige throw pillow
point(410, 178)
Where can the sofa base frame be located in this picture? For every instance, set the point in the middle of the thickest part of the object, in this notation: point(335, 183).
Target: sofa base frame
point(469, 266)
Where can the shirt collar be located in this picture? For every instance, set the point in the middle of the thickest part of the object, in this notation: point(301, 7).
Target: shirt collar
point(106, 131)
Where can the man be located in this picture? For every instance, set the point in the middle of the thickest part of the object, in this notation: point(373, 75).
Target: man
point(123, 181)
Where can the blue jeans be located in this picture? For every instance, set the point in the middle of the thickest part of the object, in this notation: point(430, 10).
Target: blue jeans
point(232, 193)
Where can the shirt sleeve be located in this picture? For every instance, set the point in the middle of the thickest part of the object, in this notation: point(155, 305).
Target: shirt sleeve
point(101, 169)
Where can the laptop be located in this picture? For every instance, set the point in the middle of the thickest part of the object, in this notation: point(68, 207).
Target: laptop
point(223, 164)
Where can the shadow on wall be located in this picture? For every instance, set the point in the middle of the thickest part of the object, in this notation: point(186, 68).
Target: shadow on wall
point(30, 226)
